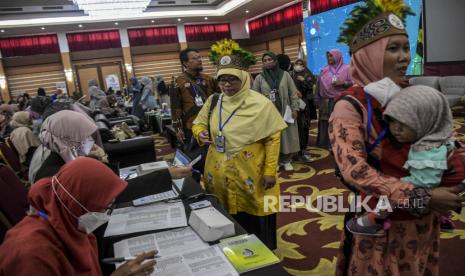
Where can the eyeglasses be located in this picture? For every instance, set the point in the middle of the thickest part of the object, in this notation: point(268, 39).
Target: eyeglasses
point(230, 80)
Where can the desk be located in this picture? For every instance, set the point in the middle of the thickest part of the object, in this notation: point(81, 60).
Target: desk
point(191, 187)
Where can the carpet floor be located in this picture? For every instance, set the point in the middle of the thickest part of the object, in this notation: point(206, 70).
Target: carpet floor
point(308, 241)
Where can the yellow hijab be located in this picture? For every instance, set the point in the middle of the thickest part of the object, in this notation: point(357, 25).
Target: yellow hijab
point(256, 117)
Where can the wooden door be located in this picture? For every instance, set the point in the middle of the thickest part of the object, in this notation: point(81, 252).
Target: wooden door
point(85, 74)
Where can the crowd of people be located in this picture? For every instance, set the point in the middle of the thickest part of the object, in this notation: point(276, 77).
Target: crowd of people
point(388, 140)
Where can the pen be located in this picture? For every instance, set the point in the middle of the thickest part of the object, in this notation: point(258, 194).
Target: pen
point(196, 171)
point(122, 259)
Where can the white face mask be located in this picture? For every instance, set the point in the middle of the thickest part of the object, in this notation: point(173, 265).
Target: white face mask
point(298, 68)
point(87, 222)
point(87, 145)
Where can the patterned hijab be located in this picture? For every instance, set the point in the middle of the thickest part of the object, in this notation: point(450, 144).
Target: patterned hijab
point(426, 111)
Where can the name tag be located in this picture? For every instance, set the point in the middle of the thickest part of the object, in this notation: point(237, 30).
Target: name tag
point(272, 95)
point(220, 144)
point(198, 101)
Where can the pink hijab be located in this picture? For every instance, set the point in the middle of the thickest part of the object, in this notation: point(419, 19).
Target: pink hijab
point(339, 69)
point(366, 65)
point(64, 132)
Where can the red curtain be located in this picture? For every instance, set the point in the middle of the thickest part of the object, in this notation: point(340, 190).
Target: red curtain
point(283, 18)
point(93, 40)
point(207, 32)
point(318, 6)
point(149, 36)
point(29, 45)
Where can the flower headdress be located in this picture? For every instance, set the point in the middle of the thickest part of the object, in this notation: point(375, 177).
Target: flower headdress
point(230, 47)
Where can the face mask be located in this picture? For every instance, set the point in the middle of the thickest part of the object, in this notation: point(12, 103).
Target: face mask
point(87, 145)
point(298, 68)
point(270, 65)
point(89, 221)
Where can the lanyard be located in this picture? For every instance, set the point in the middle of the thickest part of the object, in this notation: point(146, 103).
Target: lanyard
point(195, 89)
point(370, 114)
point(275, 85)
point(42, 214)
point(220, 125)
point(332, 72)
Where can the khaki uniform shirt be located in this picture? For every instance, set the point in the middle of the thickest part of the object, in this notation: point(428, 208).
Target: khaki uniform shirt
point(183, 107)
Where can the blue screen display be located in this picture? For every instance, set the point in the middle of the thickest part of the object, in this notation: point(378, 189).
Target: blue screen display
point(322, 31)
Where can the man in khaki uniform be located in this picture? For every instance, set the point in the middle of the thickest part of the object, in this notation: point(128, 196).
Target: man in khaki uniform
point(191, 91)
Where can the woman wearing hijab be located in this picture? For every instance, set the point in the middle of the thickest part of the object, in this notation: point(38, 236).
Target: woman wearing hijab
point(333, 79)
point(162, 90)
point(304, 81)
point(136, 89)
point(279, 87)
point(148, 99)
point(241, 163)
point(65, 136)
point(95, 94)
point(24, 141)
point(371, 161)
point(57, 238)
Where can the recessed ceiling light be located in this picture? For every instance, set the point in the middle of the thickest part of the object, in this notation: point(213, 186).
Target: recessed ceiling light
point(179, 19)
point(43, 28)
point(247, 11)
point(2, 31)
point(116, 23)
point(206, 18)
point(153, 21)
point(80, 25)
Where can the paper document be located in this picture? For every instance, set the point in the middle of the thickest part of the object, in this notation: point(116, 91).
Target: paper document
point(177, 254)
point(145, 218)
point(302, 104)
point(288, 115)
point(167, 243)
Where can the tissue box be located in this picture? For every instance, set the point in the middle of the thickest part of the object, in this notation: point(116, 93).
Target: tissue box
point(210, 224)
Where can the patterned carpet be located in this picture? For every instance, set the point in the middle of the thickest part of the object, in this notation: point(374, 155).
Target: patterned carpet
point(308, 241)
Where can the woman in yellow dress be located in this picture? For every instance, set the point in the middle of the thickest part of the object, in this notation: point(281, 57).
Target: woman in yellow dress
point(244, 139)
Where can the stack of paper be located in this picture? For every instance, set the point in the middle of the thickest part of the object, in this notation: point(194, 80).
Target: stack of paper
point(177, 254)
point(151, 217)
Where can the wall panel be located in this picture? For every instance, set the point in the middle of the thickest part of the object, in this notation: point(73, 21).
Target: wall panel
point(28, 79)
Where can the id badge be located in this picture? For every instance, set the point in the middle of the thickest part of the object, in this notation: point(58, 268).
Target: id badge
point(198, 101)
point(334, 78)
point(220, 144)
point(273, 95)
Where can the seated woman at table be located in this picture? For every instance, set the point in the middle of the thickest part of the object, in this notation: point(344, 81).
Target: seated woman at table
point(67, 135)
point(245, 131)
point(57, 239)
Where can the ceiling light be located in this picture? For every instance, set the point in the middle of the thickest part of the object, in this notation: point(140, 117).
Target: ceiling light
point(2, 31)
point(80, 25)
point(179, 19)
point(97, 8)
point(206, 18)
point(116, 23)
point(43, 28)
point(153, 21)
point(247, 11)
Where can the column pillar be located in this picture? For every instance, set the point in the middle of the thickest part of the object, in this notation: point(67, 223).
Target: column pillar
point(66, 62)
point(127, 56)
point(4, 92)
point(182, 36)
